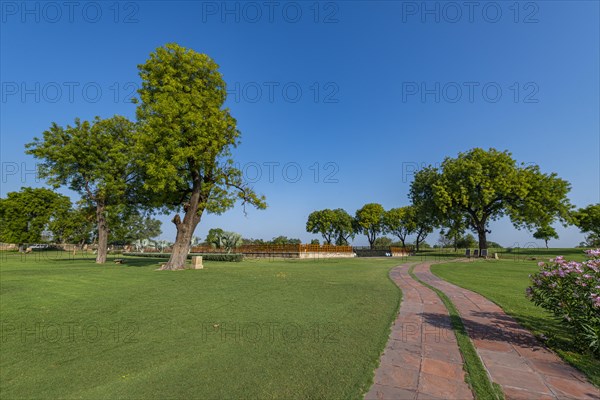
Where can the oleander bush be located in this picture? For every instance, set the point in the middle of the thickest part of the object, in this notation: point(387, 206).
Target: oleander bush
point(570, 290)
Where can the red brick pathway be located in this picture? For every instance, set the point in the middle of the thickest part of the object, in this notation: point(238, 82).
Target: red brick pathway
point(513, 357)
point(421, 360)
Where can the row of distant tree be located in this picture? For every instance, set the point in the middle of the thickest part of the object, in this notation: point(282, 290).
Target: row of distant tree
point(40, 215)
point(338, 227)
point(463, 194)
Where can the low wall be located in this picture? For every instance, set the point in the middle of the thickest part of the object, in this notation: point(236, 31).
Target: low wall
point(321, 254)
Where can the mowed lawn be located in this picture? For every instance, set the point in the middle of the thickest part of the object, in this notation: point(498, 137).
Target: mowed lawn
point(504, 283)
point(255, 329)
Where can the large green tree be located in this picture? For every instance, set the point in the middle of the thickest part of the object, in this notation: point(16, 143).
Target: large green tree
point(322, 222)
point(400, 222)
point(587, 219)
point(483, 186)
point(95, 159)
point(26, 214)
point(185, 140)
point(369, 221)
point(334, 225)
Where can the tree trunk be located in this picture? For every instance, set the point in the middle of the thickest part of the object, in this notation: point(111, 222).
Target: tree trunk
point(546, 243)
point(102, 233)
point(185, 231)
point(482, 239)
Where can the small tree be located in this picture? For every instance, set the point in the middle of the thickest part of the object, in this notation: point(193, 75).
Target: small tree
point(466, 242)
point(344, 227)
point(322, 222)
point(231, 240)
point(545, 233)
point(333, 225)
point(214, 237)
point(423, 225)
point(130, 225)
point(369, 221)
point(74, 226)
point(587, 219)
point(399, 222)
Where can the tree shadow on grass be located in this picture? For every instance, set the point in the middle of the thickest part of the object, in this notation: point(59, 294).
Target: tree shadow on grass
point(501, 328)
point(523, 330)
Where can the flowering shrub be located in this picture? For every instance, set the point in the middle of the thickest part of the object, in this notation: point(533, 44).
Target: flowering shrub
point(571, 291)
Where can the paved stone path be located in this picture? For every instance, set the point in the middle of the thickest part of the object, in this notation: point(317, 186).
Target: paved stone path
point(421, 360)
point(513, 357)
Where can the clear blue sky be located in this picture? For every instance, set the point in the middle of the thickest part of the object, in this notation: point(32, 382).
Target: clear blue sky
point(362, 92)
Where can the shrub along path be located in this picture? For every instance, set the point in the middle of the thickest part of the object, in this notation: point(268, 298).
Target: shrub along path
point(513, 357)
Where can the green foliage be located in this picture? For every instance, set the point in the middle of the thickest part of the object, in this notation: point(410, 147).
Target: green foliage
point(571, 291)
point(421, 245)
point(467, 242)
point(96, 160)
point(314, 241)
point(92, 158)
point(344, 227)
point(24, 215)
point(129, 225)
point(253, 241)
point(75, 225)
point(185, 140)
point(587, 220)
point(231, 240)
point(400, 222)
point(333, 225)
point(214, 237)
point(369, 221)
point(284, 240)
point(322, 222)
point(482, 186)
point(383, 241)
point(186, 134)
point(221, 239)
point(545, 233)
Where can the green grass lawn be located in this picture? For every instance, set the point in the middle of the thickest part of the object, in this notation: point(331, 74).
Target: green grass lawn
point(255, 329)
point(504, 282)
